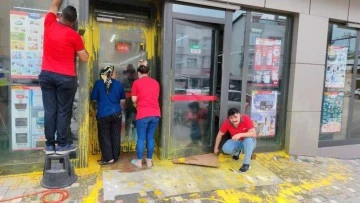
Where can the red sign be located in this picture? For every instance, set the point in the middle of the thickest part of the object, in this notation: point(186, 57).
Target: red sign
point(123, 48)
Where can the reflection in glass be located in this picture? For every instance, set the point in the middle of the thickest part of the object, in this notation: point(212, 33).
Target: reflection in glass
point(193, 60)
point(122, 48)
point(192, 126)
point(237, 59)
point(338, 83)
point(355, 124)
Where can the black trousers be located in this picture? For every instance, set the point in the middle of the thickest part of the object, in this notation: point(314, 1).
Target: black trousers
point(58, 92)
point(109, 133)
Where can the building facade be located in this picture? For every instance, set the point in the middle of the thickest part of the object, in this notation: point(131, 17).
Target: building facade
point(292, 65)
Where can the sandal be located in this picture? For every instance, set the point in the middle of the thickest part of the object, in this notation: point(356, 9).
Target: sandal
point(137, 163)
point(102, 162)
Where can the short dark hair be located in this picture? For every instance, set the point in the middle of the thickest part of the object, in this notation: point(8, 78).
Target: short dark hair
point(130, 68)
point(69, 14)
point(233, 111)
point(143, 69)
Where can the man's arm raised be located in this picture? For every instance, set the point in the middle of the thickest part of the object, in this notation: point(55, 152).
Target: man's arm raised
point(54, 6)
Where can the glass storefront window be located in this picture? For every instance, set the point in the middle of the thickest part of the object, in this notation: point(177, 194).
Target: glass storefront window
point(266, 69)
point(21, 109)
point(340, 108)
point(237, 59)
point(355, 125)
point(259, 59)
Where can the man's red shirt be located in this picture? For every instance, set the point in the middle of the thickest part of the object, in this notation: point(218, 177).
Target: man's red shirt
point(61, 43)
point(147, 91)
point(244, 126)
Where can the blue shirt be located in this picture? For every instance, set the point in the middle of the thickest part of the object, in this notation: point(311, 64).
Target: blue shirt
point(107, 104)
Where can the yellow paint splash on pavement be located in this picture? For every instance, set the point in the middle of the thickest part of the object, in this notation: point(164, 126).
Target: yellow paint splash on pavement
point(230, 196)
point(181, 160)
point(158, 193)
point(92, 168)
point(288, 190)
point(94, 194)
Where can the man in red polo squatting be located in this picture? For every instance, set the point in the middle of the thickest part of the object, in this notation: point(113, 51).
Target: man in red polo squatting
point(243, 134)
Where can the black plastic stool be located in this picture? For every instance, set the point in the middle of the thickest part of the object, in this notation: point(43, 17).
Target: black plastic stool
point(58, 171)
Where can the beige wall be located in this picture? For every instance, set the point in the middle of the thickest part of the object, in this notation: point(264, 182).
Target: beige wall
point(306, 84)
point(342, 10)
point(297, 6)
point(354, 11)
point(335, 9)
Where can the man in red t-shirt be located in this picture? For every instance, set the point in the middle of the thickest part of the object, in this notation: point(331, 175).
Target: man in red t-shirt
point(145, 94)
point(243, 136)
point(58, 79)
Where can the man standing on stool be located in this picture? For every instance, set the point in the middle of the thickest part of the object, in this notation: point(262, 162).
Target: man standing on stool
point(243, 135)
point(58, 79)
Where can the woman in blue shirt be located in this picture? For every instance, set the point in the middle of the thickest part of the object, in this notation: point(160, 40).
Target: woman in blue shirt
point(110, 97)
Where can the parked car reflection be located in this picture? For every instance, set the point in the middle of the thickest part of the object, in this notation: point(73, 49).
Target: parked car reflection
point(357, 94)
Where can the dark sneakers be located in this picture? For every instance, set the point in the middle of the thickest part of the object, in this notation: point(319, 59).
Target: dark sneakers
point(236, 157)
point(66, 149)
point(244, 168)
point(49, 149)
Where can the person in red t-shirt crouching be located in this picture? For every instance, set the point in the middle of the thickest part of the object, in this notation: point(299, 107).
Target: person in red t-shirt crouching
point(58, 79)
point(145, 96)
point(243, 134)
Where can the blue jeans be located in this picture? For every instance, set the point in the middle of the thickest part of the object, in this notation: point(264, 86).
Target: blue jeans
point(146, 128)
point(234, 147)
point(58, 92)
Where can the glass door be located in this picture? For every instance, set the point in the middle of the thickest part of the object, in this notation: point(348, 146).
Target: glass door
point(259, 65)
point(193, 88)
point(122, 47)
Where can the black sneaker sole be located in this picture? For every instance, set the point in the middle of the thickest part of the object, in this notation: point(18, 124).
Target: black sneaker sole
point(245, 171)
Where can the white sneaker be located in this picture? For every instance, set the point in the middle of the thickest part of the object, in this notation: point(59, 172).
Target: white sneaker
point(149, 163)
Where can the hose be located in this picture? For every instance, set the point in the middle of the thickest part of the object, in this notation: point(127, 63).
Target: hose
point(64, 194)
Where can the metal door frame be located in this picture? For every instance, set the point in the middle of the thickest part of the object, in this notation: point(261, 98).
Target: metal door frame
point(168, 62)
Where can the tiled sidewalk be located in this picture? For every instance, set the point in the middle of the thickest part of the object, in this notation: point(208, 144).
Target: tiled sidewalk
point(274, 177)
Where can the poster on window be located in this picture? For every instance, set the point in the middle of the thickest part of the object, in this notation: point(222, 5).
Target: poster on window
point(336, 67)
point(27, 118)
point(26, 41)
point(20, 117)
point(263, 112)
point(332, 112)
point(267, 62)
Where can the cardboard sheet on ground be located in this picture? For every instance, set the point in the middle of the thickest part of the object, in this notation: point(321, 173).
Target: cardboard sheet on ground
point(210, 160)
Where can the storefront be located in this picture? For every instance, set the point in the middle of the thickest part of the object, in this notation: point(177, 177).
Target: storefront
point(265, 58)
point(222, 59)
point(340, 118)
